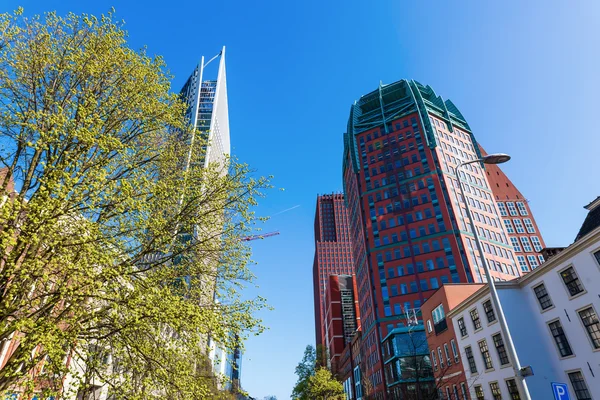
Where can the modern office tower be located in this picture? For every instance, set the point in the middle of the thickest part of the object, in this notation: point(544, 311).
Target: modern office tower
point(409, 228)
point(332, 252)
point(516, 215)
point(341, 318)
point(208, 111)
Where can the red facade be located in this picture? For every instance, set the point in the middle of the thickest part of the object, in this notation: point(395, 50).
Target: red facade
point(516, 215)
point(333, 252)
point(448, 369)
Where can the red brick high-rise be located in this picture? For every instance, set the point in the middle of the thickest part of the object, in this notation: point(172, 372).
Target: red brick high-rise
point(409, 226)
point(516, 215)
point(333, 254)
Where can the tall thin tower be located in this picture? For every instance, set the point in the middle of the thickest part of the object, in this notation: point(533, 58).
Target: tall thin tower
point(208, 111)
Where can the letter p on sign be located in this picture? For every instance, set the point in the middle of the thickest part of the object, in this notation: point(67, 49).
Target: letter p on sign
point(561, 391)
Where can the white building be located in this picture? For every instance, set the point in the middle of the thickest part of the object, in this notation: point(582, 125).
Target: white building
point(552, 314)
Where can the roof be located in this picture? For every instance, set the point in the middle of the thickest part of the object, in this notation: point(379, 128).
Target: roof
point(592, 220)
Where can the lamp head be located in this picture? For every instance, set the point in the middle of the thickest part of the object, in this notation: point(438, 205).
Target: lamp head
point(497, 158)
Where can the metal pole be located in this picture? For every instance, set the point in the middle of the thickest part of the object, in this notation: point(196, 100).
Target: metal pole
point(512, 352)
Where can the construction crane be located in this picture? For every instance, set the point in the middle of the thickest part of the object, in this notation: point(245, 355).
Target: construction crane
point(265, 235)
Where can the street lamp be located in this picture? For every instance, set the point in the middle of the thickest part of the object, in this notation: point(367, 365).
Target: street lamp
point(497, 158)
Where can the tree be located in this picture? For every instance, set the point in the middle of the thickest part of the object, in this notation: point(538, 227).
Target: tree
point(305, 369)
point(114, 247)
point(323, 386)
point(270, 398)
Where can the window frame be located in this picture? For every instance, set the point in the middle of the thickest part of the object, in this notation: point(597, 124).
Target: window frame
point(502, 346)
point(542, 309)
point(478, 389)
point(486, 360)
point(587, 389)
point(463, 328)
point(566, 285)
point(489, 312)
point(585, 327)
point(499, 391)
point(556, 344)
point(471, 360)
point(514, 387)
point(475, 328)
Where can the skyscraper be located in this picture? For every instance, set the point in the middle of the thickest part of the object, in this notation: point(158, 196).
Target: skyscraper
point(208, 111)
point(332, 252)
point(409, 226)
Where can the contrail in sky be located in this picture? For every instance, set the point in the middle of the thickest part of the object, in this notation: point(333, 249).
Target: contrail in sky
point(286, 210)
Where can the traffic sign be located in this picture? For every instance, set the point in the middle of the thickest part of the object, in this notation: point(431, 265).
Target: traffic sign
point(561, 391)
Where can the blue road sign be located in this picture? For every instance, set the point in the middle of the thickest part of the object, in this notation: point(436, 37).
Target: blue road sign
point(561, 391)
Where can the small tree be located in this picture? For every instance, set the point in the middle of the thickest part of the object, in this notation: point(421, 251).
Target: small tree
point(323, 386)
point(305, 369)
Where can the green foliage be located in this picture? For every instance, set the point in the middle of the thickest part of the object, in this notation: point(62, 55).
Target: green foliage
point(322, 385)
point(305, 369)
point(112, 250)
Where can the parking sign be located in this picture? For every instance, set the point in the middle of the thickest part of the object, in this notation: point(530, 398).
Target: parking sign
point(561, 391)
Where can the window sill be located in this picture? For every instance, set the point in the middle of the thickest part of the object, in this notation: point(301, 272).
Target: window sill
point(577, 295)
point(509, 365)
point(552, 307)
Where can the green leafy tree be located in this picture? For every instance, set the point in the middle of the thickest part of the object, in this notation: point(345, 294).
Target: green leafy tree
point(114, 247)
point(305, 369)
point(322, 385)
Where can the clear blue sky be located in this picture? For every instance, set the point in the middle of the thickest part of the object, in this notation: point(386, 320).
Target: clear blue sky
point(524, 73)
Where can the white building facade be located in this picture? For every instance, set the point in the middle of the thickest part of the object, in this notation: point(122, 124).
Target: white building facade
point(552, 314)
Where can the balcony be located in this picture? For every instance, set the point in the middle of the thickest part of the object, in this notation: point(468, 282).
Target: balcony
point(440, 326)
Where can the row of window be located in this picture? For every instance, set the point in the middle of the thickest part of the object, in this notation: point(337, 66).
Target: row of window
point(511, 385)
point(518, 225)
point(512, 209)
point(447, 360)
point(537, 245)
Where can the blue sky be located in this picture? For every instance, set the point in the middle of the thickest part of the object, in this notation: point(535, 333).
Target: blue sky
point(524, 74)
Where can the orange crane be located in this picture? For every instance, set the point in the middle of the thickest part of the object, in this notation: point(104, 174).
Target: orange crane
point(264, 235)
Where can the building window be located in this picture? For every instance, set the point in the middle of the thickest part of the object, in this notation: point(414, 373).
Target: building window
point(489, 311)
point(526, 244)
point(515, 244)
point(513, 391)
point(475, 319)
point(523, 263)
point(519, 225)
point(592, 325)
point(454, 350)
point(434, 360)
point(502, 209)
point(509, 226)
point(462, 327)
point(471, 360)
point(597, 256)
point(479, 392)
point(499, 344)
point(463, 389)
point(448, 359)
point(429, 329)
point(532, 261)
point(485, 354)
point(441, 357)
point(543, 296)
point(511, 208)
point(537, 246)
point(529, 225)
point(495, 388)
point(522, 208)
point(564, 348)
point(572, 281)
point(579, 386)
